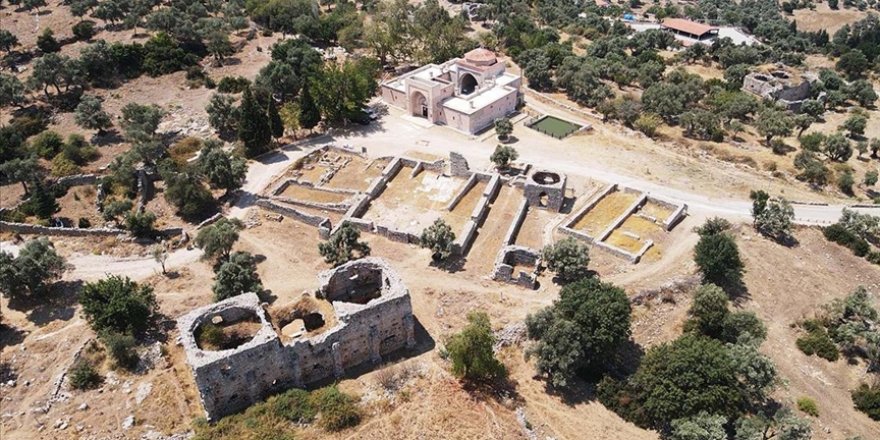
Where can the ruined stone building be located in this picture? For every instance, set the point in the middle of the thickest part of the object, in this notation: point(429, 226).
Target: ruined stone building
point(781, 87)
point(361, 313)
point(467, 94)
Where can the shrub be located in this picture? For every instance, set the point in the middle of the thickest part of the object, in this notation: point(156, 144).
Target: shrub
point(212, 335)
point(471, 351)
point(115, 208)
point(118, 304)
point(838, 233)
point(47, 144)
point(808, 406)
point(867, 400)
point(83, 376)
point(62, 166)
point(338, 410)
point(84, 30)
point(140, 224)
point(121, 348)
point(817, 342)
point(871, 178)
point(232, 84)
point(293, 405)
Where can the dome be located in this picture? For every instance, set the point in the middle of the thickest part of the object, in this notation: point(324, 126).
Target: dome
point(481, 57)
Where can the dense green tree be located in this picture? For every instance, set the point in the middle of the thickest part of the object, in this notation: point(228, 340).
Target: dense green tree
point(342, 92)
point(57, 71)
point(718, 258)
point(503, 156)
point(709, 316)
point(41, 202)
point(853, 63)
point(33, 271)
point(118, 304)
point(84, 30)
point(140, 121)
point(235, 276)
point(12, 91)
point(855, 124)
point(582, 331)
point(8, 40)
point(701, 124)
point(813, 108)
point(223, 114)
point(867, 400)
point(837, 147)
point(783, 425)
point(276, 126)
point(223, 169)
point(47, 43)
point(702, 426)
point(24, 171)
point(343, 245)
point(90, 114)
point(141, 224)
point(309, 115)
point(681, 379)
point(216, 240)
point(771, 123)
point(471, 351)
point(568, 259)
point(253, 126)
point(185, 191)
point(503, 128)
point(439, 238)
point(581, 80)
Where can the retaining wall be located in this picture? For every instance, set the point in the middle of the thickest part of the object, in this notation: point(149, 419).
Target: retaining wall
point(24, 228)
point(468, 185)
point(309, 219)
point(516, 224)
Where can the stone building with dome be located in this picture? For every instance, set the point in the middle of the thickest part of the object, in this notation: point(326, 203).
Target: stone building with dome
point(467, 93)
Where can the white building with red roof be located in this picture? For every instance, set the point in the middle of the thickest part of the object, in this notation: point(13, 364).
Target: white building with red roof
point(466, 93)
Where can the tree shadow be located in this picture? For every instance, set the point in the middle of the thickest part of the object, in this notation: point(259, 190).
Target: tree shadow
point(109, 137)
point(453, 264)
point(59, 304)
point(499, 390)
point(10, 336)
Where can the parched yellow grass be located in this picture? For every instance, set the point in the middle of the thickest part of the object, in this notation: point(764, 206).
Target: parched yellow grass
point(623, 241)
point(609, 208)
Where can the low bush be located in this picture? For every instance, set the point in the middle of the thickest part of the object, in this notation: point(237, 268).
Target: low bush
point(121, 348)
point(232, 84)
point(840, 235)
point(293, 405)
point(338, 410)
point(83, 223)
point(808, 406)
point(867, 400)
point(83, 376)
point(817, 342)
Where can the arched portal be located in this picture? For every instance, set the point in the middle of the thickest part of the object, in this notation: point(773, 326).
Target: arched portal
point(467, 84)
point(419, 104)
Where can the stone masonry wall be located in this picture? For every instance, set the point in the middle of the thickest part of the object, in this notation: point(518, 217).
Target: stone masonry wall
point(230, 380)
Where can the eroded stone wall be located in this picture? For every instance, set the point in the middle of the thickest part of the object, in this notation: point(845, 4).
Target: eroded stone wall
point(231, 380)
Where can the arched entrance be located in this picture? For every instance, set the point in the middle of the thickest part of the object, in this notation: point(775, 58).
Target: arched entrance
point(419, 104)
point(467, 84)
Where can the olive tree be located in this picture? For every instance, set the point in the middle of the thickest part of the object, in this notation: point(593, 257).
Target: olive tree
point(439, 238)
point(119, 305)
point(32, 271)
point(343, 245)
point(216, 240)
point(90, 114)
point(568, 259)
point(235, 276)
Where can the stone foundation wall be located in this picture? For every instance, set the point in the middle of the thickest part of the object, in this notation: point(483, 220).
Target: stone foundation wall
point(288, 211)
point(516, 224)
point(511, 256)
point(231, 380)
point(458, 165)
point(25, 228)
point(468, 185)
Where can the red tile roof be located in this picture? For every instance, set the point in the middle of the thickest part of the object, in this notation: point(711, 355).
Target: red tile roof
point(686, 26)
